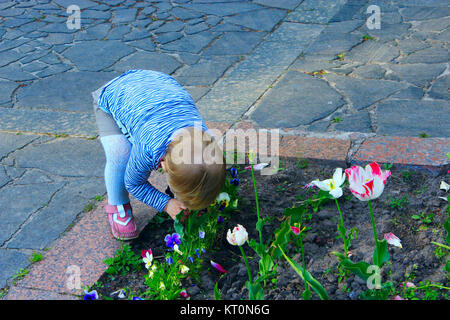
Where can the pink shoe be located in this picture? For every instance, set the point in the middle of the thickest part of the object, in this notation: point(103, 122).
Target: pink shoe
point(121, 220)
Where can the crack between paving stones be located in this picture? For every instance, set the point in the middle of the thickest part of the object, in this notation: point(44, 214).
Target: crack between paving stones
point(31, 217)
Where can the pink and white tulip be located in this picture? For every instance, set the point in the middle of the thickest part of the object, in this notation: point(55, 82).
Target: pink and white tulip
point(238, 237)
point(257, 167)
point(367, 183)
point(333, 186)
point(393, 239)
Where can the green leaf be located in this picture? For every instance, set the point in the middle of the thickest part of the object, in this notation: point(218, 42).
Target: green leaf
point(447, 228)
point(359, 269)
point(380, 254)
point(259, 248)
point(282, 236)
point(260, 225)
point(307, 277)
point(415, 217)
point(217, 293)
point(306, 295)
point(255, 291)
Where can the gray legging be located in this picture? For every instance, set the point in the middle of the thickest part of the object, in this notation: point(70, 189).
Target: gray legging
point(105, 122)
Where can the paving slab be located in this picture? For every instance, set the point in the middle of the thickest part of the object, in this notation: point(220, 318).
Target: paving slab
point(285, 102)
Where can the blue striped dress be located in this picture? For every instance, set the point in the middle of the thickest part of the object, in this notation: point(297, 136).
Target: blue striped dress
point(149, 107)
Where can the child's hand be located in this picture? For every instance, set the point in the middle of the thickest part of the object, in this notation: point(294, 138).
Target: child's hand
point(173, 207)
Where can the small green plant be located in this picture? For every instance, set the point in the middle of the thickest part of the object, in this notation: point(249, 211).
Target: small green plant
point(98, 198)
point(20, 274)
point(337, 119)
point(3, 292)
point(61, 135)
point(398, 203)
point(302, 163)
point(424, 135)
point(123, 262)
point(423, 217)
point(36, 257)
point(366, 37)
point(340, 56)
point(90, 206)
point(406, 174)
point(387, 166)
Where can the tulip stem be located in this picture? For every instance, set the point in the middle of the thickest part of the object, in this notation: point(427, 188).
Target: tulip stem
point(300, 238)
point(373, 224)
point(342, 225)
point(246, 264)
point(256, 199)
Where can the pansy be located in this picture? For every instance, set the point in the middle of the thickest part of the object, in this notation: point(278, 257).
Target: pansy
point(197, 252)
point(92, 295)
point(238, 237)
point(333, 186)
point(184, 294)
point(296, 228)
point(147, 257)
point(137, 298)
point(120, 294)
point(393, 239)
point(367, 184)
point(184, 269)
point(257, 167)
point(223, 199)
point(233, 172)
point(191, 259)
point(218, 267)
point(169, 260)
point(175, 248)
point(398, 298)
point(220, 219)
point(201, 234)
point(235, 182)
point(408, 285)
point(172, 240)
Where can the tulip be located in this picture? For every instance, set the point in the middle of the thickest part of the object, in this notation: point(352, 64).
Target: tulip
point(238, 237)
point(333, 186)
point(398, 298)
point(257, 167)
point(444, 186)
point(218, 267)
point(367, 184)
point(393, 239)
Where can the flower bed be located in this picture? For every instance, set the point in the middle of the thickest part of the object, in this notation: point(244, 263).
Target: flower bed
point(394, 246)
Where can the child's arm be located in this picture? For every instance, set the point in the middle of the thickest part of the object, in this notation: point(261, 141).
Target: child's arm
point(138, 170)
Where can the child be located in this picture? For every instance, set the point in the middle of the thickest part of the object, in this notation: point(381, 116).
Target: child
point(146, 121)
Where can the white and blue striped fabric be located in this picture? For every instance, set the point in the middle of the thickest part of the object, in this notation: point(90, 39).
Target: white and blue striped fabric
point(149, 107)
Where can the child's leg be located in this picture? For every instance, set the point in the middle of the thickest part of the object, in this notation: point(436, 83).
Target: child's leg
point(117, 150)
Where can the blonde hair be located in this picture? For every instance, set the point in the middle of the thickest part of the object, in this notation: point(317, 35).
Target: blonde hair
point(195, 168)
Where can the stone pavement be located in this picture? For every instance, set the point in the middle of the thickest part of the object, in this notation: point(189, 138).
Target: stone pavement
point(309, 67)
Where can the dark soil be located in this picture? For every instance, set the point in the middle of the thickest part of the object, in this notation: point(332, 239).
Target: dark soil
point(415, 262)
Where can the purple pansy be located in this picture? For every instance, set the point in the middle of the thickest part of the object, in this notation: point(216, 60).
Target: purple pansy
point(235, 182)
point(201, 234)
point(220, 219)
point(233, 172)
point(172, 240)
point(169, 260)
point(93, 295)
